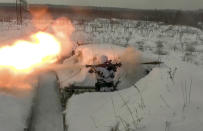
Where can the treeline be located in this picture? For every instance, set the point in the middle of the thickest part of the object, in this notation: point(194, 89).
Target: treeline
point(174, 17)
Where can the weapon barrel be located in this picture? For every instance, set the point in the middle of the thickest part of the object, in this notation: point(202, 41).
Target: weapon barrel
point(104, 65)
point(152, 63)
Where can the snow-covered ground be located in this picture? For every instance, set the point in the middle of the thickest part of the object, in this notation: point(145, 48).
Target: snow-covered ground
point(47, 114)
point(144, 35)
point(159, 102)
point(11, 31)
point(14, 111)
point(169, 98)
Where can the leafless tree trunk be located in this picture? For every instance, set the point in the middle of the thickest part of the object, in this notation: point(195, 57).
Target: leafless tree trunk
point(21, 5)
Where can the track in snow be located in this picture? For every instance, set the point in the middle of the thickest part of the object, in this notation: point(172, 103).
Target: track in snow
point(47, 111)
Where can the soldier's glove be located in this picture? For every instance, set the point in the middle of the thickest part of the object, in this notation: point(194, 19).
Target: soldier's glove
point(91, 71)
point(119, 64)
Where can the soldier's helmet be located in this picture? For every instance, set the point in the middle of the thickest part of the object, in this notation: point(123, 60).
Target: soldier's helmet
point(103, 59)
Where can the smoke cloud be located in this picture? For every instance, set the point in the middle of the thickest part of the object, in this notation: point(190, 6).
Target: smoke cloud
point(41, 18)
point(15, 83)
point(130, 60)
point(61, 28)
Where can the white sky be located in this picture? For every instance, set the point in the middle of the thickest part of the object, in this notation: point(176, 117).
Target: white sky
point(136, 4)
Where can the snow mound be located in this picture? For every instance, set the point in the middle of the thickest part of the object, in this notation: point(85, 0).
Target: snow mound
point(14, 111)
point(163, 100)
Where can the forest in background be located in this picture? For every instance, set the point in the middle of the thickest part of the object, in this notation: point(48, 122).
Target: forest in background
point(172, 17)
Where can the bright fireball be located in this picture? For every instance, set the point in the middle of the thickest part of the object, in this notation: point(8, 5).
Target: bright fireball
point(24, 56)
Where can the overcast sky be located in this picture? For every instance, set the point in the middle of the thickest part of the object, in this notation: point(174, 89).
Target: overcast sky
point(136, 4)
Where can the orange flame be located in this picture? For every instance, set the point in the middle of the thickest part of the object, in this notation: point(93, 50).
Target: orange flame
point(21, 61)
point(25, 56)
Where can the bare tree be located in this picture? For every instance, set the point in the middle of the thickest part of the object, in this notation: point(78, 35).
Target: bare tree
point(21, 5)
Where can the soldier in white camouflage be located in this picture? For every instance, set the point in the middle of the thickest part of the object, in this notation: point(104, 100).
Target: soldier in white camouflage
point(105, 73)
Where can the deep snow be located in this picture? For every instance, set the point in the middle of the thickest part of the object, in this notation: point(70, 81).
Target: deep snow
point(14, 111)
point(160, 103)
point(47, 112)
point(169, 98)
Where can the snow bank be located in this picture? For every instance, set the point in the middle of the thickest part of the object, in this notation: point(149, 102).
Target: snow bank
point(163, 100)
point(47, 114)
point(14, 111)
